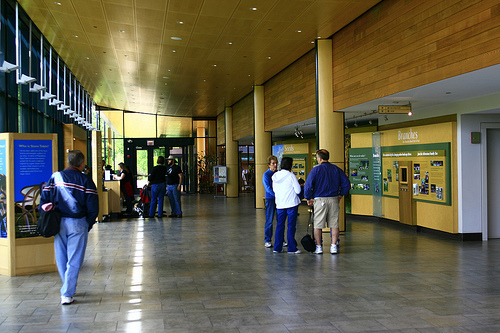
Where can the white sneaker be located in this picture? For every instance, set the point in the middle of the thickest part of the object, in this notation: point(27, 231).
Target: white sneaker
point(285, 244)
point(296, 252)
point(333, 249)
point(65, 300)
point(268, 244)
point(319, 249)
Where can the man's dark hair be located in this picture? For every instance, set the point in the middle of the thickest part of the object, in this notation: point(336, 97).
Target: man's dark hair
point(324, 154)
point(75, 158)
point(286, 163)
point(160, 160)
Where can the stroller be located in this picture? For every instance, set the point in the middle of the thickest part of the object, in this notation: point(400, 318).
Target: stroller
point(142, 207)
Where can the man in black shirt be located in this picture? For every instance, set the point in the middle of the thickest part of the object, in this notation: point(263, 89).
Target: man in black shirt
point(158, 187)
point(174, 181)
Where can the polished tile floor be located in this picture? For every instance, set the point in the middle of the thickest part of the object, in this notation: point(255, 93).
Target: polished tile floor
point(210, 272)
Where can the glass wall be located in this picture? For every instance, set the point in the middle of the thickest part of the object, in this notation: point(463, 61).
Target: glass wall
point(38, 93)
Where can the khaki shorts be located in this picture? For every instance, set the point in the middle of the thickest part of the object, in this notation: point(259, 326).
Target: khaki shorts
point(326, 209)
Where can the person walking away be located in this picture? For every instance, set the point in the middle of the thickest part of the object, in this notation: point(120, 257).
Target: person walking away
point(125, 178)
point(158, 187)
point(270, 205)
point(174, 182)
point(325, 186)
point(286, 188)
point(74, 194)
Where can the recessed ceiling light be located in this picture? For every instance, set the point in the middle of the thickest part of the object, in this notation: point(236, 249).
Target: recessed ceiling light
point(166, 77)
point(173, 51)
point(58, 3)
point(122, 30)
point(87, 58)
point(176, 38)
point(299, 31)
point(215, 65)
point(180, 22)
point(229, 43)
point(268, 58)
point(253, 8)
point(76, 36)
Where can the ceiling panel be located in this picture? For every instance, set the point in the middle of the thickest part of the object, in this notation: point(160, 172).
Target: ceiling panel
point(150, 18)
point(89, 9)
point(129, 47)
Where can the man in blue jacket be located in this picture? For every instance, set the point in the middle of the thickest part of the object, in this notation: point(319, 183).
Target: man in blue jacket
point(74, 194)
point(325, 186)
point(272, 162)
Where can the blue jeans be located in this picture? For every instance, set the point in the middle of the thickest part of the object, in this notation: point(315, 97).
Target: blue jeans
point(268, 228)
point(174, 197)
point(282, 215)
point(157, 195)
point(70, 245)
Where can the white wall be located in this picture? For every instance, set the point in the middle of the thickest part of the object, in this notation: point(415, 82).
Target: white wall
point(469, 177)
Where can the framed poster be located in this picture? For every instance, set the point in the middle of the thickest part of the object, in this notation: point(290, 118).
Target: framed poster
point(220, 174)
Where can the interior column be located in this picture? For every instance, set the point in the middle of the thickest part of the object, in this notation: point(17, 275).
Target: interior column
point(231, 157)
point(330, 124)
point(262, 146)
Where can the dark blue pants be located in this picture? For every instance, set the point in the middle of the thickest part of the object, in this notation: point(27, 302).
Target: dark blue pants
point(282, 215)
point(268, 228)
point(157, 196)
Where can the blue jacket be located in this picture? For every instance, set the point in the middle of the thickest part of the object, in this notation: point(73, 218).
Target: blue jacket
point(73, 193)
point(268, 183)
point(326, 180)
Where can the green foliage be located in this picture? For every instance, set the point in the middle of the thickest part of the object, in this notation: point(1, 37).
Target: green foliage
point(205, 172)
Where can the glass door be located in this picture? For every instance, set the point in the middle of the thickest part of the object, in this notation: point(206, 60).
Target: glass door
point(142, 167)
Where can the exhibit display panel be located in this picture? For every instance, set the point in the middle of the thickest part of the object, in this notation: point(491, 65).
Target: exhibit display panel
point(26, 162)
point(428, 155)
point(299, 152)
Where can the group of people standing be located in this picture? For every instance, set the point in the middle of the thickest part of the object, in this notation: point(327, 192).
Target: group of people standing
point(166, 178)
point(324, 188)
point(163, 179)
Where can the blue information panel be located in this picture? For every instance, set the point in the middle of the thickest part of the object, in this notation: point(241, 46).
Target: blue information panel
point(3, 158)
point(3, 190)
point(32, 164)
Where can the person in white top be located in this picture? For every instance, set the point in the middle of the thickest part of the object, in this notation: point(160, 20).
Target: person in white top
point(286, 188)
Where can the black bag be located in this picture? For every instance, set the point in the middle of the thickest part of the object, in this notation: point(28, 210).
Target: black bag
point(307, 241)
point(49, 223)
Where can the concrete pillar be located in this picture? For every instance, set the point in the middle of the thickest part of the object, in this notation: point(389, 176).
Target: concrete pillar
point(262, 140)
point(232, 185)
point(330, 124)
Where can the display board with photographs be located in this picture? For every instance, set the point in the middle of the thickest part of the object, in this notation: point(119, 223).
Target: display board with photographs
point(299, 167)
point(431, 171)
point(360, 170)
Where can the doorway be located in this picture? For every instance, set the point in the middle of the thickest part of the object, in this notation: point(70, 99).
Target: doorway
point(146, 160)
point(493, 182)
point(141, 155)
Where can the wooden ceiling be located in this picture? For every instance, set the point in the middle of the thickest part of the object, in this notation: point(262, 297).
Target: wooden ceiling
point(183, 57)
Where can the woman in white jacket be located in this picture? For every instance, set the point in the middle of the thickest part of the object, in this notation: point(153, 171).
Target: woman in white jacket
point(286, 188)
